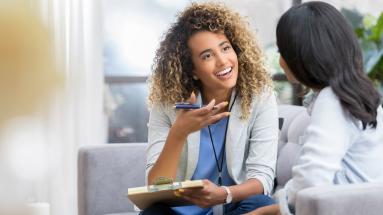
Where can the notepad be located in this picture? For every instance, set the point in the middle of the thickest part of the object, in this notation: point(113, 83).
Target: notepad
point(145, 196)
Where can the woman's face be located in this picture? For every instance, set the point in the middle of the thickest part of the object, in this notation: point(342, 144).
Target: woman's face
point(215, 61)
point(289, 75)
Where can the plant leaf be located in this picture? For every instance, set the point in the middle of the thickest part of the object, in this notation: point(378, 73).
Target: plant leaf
point(377, 31)
point(372, 59)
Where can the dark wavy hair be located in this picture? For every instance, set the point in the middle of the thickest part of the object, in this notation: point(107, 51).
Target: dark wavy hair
point(172, 76)
point(321, 49)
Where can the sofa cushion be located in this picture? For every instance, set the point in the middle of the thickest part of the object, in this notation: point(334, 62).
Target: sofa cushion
point(296, 120)
point(288, 113)
point(286, 160)
point(297, 127)
point(105, 174)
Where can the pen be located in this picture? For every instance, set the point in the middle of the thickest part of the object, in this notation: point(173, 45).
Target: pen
point(190, 106)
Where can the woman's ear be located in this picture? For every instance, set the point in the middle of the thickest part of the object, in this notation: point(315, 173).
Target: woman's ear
point(289, 74)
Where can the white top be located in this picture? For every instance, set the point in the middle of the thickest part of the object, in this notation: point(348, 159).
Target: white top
point(336, 149)
point(251, 145)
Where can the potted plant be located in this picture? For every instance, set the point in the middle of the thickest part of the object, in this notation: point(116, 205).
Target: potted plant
point(369, 30)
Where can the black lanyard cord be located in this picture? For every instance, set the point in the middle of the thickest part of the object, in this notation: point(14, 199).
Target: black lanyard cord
point(220, 167)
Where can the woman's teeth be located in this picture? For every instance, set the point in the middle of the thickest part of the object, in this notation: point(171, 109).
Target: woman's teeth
point(224, 72)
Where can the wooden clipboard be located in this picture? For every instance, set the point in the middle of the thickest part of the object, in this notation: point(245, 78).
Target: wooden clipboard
point(145, 196)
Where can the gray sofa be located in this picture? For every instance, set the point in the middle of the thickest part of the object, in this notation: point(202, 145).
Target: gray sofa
point(105, 173)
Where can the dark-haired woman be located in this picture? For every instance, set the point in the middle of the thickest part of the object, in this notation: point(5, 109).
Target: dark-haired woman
point(343, 143)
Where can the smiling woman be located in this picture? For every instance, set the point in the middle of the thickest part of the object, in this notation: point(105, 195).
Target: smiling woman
point(210, 57)
point(216, 64)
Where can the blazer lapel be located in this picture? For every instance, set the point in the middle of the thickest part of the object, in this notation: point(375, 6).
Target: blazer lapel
point(193, 148)
point(235, 130)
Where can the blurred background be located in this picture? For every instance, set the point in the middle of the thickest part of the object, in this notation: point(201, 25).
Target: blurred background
point(90, 87)
point(132, 30)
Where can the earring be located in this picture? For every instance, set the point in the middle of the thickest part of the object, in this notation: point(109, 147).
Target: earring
point(195, 77)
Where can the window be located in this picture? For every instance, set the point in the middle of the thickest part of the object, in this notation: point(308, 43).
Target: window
point(132, 30)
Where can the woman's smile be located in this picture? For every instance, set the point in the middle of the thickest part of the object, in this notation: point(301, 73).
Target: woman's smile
point(215, 61)
point(224, 74)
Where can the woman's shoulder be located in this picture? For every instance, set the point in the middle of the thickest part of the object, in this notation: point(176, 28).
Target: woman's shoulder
point(326, 98)
point(263, 96)
point(162, 109)
point(327, 92)
point(327, 106)
point(265, 100)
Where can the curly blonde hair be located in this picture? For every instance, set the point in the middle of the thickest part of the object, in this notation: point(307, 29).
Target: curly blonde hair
point(172, 77)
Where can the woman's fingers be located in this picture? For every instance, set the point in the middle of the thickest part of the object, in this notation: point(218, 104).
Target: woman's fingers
point(210, 113)
point(217, 108)
point(189, 199)
point(196, 200)
point(216, 117)
point(191, 195)
point(192, 99)
point(196, 119)
point(206, 109)
point(221, 105)
point(191, 191)
point(211, 104)
point(188, 193)
point(212, 108)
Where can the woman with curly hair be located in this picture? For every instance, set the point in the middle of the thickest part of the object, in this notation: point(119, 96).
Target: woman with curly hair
point(210, 57)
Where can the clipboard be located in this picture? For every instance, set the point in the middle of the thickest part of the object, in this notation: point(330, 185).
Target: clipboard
point(163, 192)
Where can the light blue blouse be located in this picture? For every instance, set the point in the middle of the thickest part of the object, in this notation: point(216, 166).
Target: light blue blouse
point(206, 166)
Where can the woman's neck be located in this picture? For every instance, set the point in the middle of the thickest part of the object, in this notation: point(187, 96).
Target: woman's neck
point(218, 95)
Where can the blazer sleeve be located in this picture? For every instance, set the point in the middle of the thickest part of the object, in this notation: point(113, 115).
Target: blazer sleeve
point(158, 129)
point(263, 142)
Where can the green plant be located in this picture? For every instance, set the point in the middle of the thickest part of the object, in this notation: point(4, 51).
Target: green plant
point(369, 30)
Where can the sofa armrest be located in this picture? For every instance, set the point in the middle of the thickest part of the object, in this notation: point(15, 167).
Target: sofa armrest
point(352, 199)
point(105, 172)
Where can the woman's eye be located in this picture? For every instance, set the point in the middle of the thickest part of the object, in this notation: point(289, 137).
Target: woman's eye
point(206, 56)
point(226, 48)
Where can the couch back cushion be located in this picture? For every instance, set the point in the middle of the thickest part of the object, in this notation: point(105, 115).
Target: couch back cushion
point(296, 120)
point(105, 174)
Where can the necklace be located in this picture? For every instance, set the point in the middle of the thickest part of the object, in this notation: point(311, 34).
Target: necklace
point(220, 166)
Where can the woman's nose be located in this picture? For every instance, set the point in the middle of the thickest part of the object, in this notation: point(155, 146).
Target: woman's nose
point(221, 59)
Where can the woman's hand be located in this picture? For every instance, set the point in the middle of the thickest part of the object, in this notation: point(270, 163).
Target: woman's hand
point(189, 121)
point(208, 196)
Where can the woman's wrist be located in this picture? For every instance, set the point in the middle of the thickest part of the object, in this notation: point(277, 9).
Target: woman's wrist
point(178, 133)
point(222, 195)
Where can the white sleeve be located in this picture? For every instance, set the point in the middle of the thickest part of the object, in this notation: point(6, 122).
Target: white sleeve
point(263, 143)
point(325, 143)
point(158, 129)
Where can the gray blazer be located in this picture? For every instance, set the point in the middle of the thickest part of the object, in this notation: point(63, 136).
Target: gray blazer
point(251, 145)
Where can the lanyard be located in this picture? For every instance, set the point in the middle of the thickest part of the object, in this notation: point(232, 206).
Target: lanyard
point(220, 166)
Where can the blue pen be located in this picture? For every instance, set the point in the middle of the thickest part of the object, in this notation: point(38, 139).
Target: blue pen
point(183, 105)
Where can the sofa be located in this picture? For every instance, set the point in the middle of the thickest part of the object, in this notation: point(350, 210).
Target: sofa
point(105, 172)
